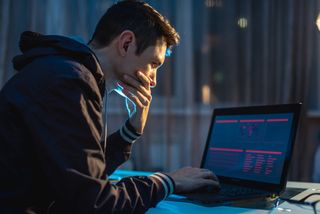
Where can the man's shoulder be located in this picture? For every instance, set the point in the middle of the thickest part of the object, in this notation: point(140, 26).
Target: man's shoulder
point(48, 71)
point(59, 65)
point(50, 68)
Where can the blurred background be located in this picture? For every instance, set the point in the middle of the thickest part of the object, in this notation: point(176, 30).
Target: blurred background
point(232, 53)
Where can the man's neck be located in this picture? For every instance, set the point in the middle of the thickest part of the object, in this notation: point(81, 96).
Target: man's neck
point(104, 56)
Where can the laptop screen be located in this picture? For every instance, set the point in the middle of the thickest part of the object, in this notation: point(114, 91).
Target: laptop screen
point(249, 146)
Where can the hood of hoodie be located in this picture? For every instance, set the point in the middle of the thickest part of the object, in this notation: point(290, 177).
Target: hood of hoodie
point(34, 45)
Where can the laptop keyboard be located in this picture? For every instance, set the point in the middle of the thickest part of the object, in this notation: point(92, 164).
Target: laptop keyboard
point(228, 192)
point(232, 190)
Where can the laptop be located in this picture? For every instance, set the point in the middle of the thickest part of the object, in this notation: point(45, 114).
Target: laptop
point(249, 149)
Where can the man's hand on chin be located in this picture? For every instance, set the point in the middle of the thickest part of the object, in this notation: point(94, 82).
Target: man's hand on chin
point(138, 91)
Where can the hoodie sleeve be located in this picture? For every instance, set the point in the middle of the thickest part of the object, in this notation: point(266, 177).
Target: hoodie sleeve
point(65, 126)
point(119, 144)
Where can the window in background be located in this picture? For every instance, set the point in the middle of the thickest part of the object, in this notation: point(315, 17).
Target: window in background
point(314, 91)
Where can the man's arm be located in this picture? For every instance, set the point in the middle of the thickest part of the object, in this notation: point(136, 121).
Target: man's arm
point(65, 127)
point(119, 144)
point(118, 149)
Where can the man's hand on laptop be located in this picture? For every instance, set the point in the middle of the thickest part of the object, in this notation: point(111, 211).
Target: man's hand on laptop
point(190, 179)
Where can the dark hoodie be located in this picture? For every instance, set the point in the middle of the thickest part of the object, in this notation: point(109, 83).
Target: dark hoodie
point(51, 157)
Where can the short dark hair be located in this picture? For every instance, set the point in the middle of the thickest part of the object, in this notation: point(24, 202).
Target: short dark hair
point(145, 22)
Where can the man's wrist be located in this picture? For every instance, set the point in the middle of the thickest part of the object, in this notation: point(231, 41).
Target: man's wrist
point(137, 126)
point(128, 132)
point(166, 181)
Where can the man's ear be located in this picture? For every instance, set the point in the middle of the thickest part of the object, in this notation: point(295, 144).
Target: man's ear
point(126, 42)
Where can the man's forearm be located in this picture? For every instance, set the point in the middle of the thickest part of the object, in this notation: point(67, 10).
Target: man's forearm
point(118, 149)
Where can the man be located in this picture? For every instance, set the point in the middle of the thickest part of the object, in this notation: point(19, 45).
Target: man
point(54, 155)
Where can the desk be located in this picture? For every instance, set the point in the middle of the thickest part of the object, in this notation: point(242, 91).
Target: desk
point(165, 207)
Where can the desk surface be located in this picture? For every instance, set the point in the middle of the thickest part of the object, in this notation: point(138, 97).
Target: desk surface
point(185, 208)
point(181, 207)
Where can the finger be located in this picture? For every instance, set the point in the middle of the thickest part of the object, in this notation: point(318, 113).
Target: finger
point(132, 98)
point(209, 182)
point(209, 171)
point(208, 175)
point(129, 80)
point(144, 79)
point(137, 93)
point(135, 96)
point(206, 185)
point(145, 93)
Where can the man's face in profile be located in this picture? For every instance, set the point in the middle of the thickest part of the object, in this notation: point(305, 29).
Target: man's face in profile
point(147, 62)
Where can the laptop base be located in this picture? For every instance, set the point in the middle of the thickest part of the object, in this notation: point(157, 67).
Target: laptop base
point(263, 203)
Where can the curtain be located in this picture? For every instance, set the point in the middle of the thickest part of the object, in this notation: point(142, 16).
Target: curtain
point(69, 18)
